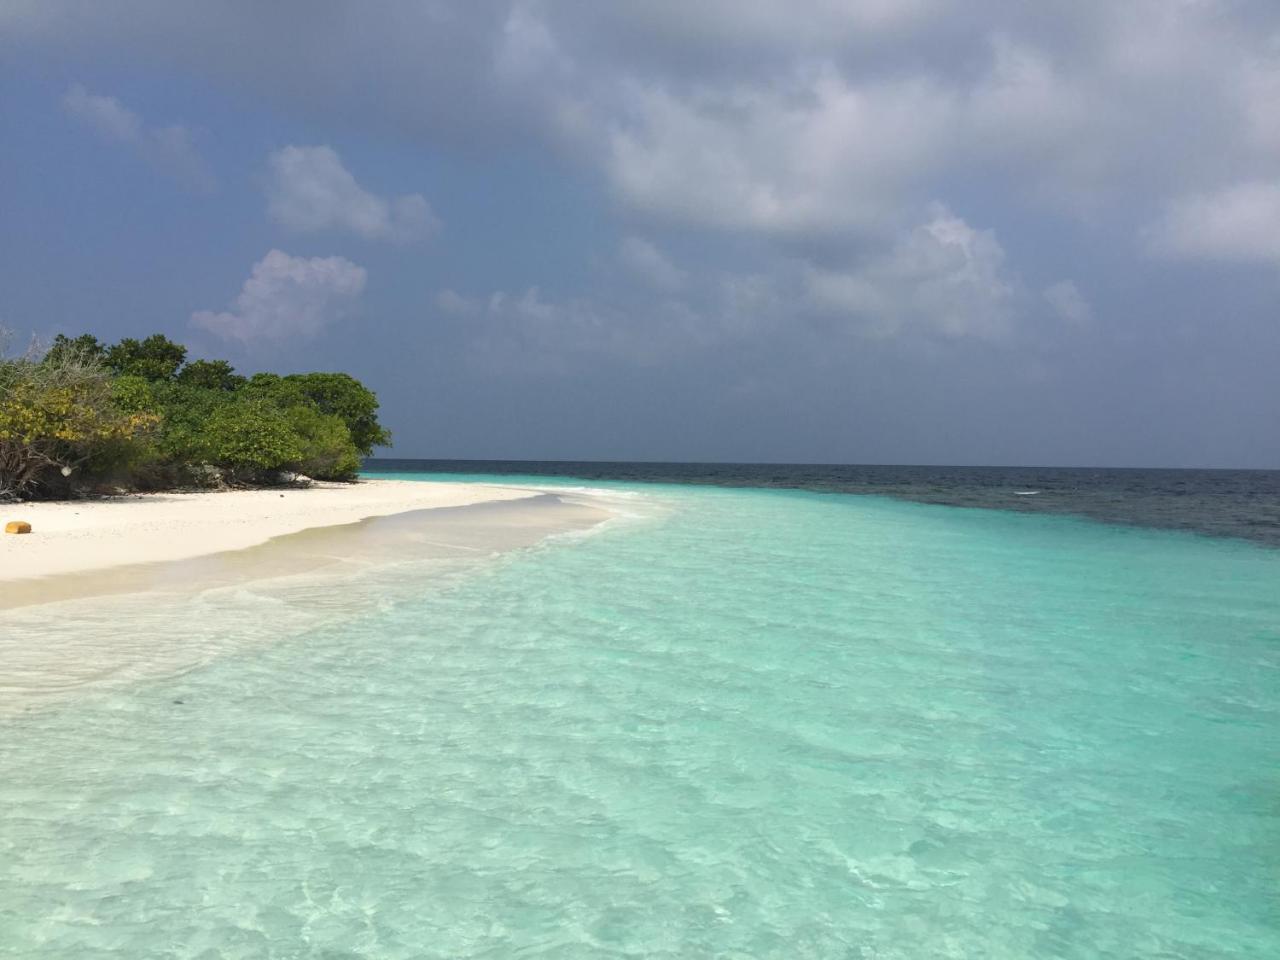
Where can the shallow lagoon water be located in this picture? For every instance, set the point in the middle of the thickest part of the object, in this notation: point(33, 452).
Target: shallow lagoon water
point(734, 723)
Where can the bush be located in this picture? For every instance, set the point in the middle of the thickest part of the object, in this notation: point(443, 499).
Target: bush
point(57, 414)
point(328, 452)
point(344, 396)
point(248, 438)
point(136, 413)
point(211, 375)
point(185, 414)
point(155, 358)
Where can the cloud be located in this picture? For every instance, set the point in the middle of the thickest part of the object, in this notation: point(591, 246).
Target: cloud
point(171, 149)
point(650, 264)
point(1259, 92)
point(815, 154)
point(1239, 223)
point(533, 333)
point(526, 48)
point(1026, 113)
point(107, 115)
point(760, 26)
point(455, 304)
point(763, 115)
point(843, 118)
point(288, 298)
point(309, 190)
point(1068, 303)
point(787, 150)
point(526, 332)
point(943, 278)
point(942, 281)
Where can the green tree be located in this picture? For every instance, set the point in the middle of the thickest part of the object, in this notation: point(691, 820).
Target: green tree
point(55, 414)
point(185, 413)
point(344, 396)
point(248, 438)
point(328, 452)
point(136, 411)
point(155, 358)
point(85, 348)
point(211, 375)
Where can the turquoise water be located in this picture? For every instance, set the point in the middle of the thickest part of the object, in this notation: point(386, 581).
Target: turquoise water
point(734, 723)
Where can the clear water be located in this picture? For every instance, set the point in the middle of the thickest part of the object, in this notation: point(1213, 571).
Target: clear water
point(738, 723)
point(1220, 503)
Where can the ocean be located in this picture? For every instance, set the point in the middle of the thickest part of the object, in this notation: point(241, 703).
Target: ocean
point(765, 712)
point(1223, 503)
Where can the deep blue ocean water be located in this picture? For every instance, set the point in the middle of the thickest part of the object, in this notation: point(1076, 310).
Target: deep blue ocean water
point(737, 721)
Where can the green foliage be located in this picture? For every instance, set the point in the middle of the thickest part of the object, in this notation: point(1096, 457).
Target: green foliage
point(210, 374)
point(344, 396)
point(133, 394)
point(56, 414)
point(185, 412)
point(84, 348)
point(155, 358)
point(137, 413)
point(328, 451)
point(248, 437)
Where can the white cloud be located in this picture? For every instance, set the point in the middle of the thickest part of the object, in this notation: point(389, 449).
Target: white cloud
point(944, 277)
point(170, 149)
point(454, 303)
point(107, 115)
point(783, 133)
point(1024, 108)
point(1259, 94)
point(1069, 107)
point(528, 331)
point(650, 264)
point(527, 48)
point(309, 190)
point(288, 298)
point(768, 115)
point(1068, 303)
point(820, 155)
point(941, 280)
point(1239, 223)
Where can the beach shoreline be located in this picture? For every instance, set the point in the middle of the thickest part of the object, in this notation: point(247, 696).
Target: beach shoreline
point(277, 572)
point(95, 535)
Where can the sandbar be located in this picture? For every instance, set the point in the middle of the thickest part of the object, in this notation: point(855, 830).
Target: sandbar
point(86, 535)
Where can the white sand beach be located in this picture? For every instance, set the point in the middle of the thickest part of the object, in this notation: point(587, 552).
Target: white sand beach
point(261, 565)
point(86, 535)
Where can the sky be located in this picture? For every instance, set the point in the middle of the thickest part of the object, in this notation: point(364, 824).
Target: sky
point(836, 231)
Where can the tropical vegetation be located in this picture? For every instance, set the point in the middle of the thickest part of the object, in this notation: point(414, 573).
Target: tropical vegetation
point(84, 416)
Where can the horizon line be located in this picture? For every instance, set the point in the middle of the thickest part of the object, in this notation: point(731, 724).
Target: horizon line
point(817, 463)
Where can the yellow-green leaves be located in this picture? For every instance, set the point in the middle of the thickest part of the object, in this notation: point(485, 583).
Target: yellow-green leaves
point(53, 413)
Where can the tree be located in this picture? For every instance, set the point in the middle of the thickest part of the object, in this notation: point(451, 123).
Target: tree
point(344, 396)
point(155, 358)
point(55, 413)
point(135, 412)
point(328, 452)
point(249, 437)
point(86, 347)
point(211, 375)
point(185, 411)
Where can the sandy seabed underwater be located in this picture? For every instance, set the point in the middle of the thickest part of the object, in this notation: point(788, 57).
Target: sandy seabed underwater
point(729, 723)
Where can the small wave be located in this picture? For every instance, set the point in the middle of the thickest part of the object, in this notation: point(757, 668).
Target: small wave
point(1025, 493)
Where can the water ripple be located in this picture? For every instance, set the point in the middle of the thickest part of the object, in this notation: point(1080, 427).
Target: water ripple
point(737, 724)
